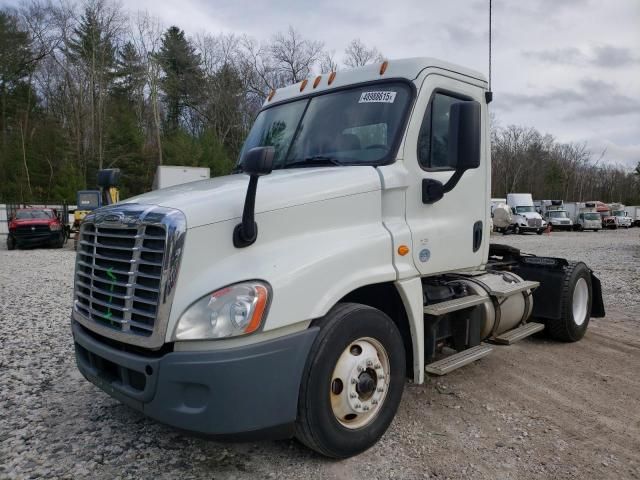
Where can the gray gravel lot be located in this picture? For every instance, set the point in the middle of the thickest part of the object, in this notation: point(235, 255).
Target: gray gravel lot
point(537, 409)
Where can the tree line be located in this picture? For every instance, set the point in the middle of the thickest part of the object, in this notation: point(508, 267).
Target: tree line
point(90, 86)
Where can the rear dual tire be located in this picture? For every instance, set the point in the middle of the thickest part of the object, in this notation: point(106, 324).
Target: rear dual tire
point(352, 382)
point(576, 300)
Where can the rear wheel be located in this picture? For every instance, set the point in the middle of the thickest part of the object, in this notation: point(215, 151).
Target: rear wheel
point(352, 382)
point(11, 242)
point(576, 305)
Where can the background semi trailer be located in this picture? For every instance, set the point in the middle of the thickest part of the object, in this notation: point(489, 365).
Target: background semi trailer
point(296, 298)
point(633, 212)
point(170, 175)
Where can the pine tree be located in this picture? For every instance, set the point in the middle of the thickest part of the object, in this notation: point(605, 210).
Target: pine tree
point(183, 77)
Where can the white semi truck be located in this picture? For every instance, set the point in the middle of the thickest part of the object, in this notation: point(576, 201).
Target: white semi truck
point(525, 216)
point(618, 217)
point(555, 213)
point(297, 297)
point(633, 212)
point(584, 215)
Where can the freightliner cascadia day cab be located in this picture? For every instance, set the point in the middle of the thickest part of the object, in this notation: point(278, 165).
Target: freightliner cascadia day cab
point(296, 297)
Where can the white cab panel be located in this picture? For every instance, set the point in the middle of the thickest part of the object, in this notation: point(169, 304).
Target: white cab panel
point(442, 232)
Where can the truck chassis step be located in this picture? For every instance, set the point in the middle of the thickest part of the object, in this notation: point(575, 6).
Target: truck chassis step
point(519, 333)
point(457, 360)
point(513, 288)
point(442, 308)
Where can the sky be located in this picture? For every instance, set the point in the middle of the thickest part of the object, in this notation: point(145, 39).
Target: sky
point(570, 68)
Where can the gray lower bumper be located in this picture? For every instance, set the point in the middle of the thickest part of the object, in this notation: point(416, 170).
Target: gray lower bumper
point(244, 391)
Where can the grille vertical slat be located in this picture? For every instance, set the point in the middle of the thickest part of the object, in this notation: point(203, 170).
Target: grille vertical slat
point(118, 275)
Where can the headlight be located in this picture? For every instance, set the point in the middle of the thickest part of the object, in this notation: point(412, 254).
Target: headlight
point(235, 310)
point(54, 227)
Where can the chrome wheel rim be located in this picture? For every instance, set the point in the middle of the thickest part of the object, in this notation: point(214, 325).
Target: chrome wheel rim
point(580, 301)
point(359, 383)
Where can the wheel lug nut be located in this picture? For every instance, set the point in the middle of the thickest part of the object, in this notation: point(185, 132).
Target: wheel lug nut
point(358, 405)
point(360, 368)
point(377, 366)
point(369, 363)
point(374, 402)
point(380, 389)
point(353, 395)
point(365, 408)
point(354, 381)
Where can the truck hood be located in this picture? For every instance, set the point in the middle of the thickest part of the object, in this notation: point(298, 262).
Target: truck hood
point(33, 221)
point(222, 198)
point(530, 215)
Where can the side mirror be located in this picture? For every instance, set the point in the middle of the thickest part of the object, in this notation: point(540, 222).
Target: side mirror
point(463, 146)
point(464, 135)
point(256, 162)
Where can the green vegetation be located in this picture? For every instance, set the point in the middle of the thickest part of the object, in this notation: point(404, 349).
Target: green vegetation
point(86, 87)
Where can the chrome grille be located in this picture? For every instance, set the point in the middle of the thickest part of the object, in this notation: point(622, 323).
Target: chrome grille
point(118, 275)
point(126, 268)
point(534, 222)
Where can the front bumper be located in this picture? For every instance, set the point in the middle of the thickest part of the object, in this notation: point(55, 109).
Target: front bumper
point(39, 238)
point(240, 392)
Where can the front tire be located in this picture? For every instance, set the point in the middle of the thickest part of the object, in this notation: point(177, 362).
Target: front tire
point(11, 242)
point(352, 382)
point(576, 301)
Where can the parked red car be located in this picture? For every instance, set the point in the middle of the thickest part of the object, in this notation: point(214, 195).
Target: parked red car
point(35, 226)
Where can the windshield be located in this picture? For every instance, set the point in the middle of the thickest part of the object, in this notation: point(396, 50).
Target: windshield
point(29, 214)
point(557, 214)
point(526, 209)
point(592, 216)
point(357, 126)
point(618, 213)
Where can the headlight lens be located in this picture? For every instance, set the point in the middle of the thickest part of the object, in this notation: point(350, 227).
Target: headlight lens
point(235, 310)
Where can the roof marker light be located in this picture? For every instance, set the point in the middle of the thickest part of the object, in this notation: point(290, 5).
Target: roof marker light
point(383, 67)
point(317, 81)
point(303, 84)
point(332, 77)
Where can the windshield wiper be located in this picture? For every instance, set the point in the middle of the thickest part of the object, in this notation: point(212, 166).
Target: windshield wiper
point(314, 161)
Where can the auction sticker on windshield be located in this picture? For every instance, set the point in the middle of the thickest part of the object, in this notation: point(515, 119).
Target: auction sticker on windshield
point(377, 97)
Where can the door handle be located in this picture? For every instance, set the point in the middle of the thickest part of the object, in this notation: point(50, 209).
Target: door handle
point(477, 235)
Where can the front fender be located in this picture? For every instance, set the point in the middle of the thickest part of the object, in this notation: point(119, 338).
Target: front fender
point(311, 255)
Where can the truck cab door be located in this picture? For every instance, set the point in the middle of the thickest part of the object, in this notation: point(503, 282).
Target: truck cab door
point(451, 233)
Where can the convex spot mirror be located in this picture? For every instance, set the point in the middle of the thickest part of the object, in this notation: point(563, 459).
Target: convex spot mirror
point(464, 135)
point(258, 161)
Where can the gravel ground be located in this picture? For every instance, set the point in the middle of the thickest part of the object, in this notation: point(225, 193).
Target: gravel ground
point(537, 409)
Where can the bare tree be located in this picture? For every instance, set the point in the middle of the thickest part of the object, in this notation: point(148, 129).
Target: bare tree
point(293, 55)
point(328, 62)
point(357, 54)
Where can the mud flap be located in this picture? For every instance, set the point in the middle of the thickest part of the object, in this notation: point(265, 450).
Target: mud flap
point(597, 303)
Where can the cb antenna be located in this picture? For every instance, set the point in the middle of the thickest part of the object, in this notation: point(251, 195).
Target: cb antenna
point(488, 95)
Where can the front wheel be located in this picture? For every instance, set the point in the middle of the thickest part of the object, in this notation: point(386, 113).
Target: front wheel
point(352, 382)
point(11, 242)
point(540, 231)
point(575, 305)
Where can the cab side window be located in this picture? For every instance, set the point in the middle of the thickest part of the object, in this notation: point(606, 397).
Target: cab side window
point(433, 146)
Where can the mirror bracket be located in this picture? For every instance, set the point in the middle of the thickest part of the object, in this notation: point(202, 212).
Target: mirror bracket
point(258, 161)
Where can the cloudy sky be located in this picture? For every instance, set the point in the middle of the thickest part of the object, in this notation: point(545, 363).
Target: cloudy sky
point(566, 67)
